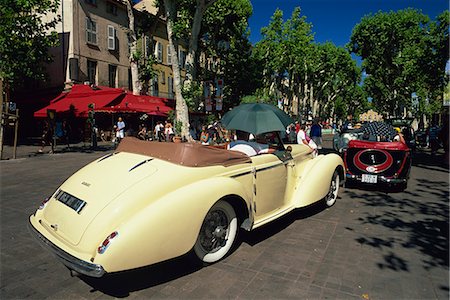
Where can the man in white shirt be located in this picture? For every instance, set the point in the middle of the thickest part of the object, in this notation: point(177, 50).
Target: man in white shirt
point(120, 130)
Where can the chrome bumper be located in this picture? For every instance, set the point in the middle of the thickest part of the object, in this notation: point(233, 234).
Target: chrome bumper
point(381, 179)
point(73, 263)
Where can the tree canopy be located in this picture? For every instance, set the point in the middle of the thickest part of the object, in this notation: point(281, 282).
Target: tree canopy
point(311, 77)
point(402, 53)
point(25, 39)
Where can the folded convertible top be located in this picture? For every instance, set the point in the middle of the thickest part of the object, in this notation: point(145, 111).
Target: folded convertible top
point(186, 154)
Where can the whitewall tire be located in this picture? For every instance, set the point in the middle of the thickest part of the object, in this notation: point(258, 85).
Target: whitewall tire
point(217, 234)
point(333, 191)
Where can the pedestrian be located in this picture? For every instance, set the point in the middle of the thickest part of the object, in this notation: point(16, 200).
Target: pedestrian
point(66, 129)
point(303, 138)
point(444, 137)
point(157, 131)
point(433, 132)
point(168, 131)
point(316, 134)
point(120, 130)
point(291, 135)
point(47, 137)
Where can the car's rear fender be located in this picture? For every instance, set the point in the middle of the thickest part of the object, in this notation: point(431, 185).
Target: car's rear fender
point(168, 227)
point(313, 182)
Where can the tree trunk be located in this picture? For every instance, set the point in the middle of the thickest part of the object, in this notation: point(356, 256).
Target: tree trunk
point(136, 83)
point(182, 113)
point(191, 71)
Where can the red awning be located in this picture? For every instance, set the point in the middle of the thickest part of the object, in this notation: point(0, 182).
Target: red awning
point(140, 103)
point(80, 97)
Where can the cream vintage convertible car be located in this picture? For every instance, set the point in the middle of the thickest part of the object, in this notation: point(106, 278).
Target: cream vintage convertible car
point(148, 202)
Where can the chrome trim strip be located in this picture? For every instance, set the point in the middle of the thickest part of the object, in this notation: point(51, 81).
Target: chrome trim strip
point(241, 174)
point(271, 167)
point(73, 263)
point(261, 169)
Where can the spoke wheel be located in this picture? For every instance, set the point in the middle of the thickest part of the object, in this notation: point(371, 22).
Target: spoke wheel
point(331, 197)
point(217, 233)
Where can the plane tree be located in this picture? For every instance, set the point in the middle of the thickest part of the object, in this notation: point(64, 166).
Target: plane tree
point(402, 52)
point(304, 72)
point(25, 38)
point(186, 21)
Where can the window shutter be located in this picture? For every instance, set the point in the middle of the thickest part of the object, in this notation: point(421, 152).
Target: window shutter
point(111, 38)
point(156, 49)
point(169, 56)
point(160, 52)
point(147, 46)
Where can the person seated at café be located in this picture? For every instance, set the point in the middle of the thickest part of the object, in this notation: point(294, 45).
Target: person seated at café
point(204, 136)
point(142, 134)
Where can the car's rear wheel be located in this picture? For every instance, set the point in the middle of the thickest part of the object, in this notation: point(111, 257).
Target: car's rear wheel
point(333, 191)
point(217, 234)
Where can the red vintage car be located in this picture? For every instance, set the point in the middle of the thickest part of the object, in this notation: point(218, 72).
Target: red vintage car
point(373, 162)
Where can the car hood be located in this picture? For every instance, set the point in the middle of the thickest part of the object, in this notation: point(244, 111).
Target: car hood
point(90, 190)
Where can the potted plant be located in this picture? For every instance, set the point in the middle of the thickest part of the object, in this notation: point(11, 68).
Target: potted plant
point(178, 127)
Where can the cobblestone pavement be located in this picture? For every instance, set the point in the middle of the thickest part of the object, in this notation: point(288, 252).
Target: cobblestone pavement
point(369, 245)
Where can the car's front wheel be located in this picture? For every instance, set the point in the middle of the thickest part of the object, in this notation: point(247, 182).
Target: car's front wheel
point(333, 191)
point(217, 234)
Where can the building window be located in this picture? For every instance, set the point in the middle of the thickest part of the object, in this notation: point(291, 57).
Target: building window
point(163, 77)
point(155, 87)
point(91, 31)
point(169, 56)
point(159, 52)
point(147, 46)
point(111, 8)
point(92, 71)
point(111, 38)
point(112, 75)
point(181, 58)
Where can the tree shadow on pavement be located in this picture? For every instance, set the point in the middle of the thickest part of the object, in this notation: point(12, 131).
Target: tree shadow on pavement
point(425, 160)
point(263, 233)
point(412, 222)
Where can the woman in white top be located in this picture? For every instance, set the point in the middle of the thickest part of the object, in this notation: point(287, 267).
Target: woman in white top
point(303, 138)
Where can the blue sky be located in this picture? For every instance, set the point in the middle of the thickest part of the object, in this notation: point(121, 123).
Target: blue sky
point(333, 20)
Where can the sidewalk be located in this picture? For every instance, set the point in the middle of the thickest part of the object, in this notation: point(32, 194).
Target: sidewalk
point(24, 151)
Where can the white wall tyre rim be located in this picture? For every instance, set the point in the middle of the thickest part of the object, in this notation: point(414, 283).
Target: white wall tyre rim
point(331, 197)
point(217, 233)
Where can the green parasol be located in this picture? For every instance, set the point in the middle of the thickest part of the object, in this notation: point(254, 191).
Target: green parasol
point(256, 118)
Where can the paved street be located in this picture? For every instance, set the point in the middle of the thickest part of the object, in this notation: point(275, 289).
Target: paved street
point(370, 245)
